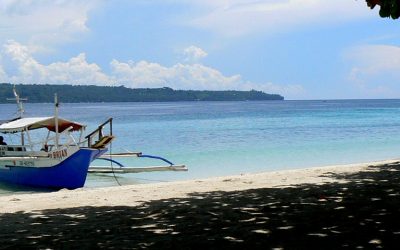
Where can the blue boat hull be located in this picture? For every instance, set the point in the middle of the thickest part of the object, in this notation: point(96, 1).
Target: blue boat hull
point(71, 173)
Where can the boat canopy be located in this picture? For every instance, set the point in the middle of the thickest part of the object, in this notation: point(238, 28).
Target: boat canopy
point(32, 123)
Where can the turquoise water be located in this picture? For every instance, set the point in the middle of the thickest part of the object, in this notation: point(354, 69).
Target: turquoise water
point(224, 138)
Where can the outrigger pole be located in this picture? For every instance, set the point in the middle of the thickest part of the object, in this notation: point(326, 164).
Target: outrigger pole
point(19, 100)
point(20, 111)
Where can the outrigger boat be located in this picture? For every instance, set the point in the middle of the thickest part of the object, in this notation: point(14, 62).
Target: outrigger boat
point(61, 159)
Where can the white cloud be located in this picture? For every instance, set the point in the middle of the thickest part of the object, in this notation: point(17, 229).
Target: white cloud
point(76, 71)
point(194, 54)
point(19, 66)
point(190, 76)
point(291, 91)
point(375, 69)
point(44, 22)
point(24, 68)
point(376, 59)
point(3, 74)
point(239, 17)
point(179, 76)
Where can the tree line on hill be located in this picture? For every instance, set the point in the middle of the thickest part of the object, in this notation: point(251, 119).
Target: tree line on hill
point(37, 93)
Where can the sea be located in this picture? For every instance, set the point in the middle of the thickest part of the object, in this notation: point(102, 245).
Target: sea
point(229, 138)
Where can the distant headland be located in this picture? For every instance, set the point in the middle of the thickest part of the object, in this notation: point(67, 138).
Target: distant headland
point(37, 93)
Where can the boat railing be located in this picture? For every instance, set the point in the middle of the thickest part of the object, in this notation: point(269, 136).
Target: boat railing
point(99, 138)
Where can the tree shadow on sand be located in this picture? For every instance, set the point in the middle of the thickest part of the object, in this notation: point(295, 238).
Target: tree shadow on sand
point(361, 211)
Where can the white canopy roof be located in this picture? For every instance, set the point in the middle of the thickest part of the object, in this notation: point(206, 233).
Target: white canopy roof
point(32, 123)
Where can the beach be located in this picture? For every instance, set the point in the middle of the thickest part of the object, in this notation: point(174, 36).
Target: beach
point(345, 206)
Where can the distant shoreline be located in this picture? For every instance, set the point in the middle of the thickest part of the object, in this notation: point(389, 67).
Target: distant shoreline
point(286, 100)
point(42, 93)
point(61, 101)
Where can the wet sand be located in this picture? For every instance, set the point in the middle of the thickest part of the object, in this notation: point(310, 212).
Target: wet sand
point(349, 206)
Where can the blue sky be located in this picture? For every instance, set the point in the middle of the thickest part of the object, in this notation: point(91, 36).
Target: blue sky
point(302, 49)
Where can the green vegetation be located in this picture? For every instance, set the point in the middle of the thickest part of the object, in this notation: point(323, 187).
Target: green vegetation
point(90, 93)
point(388, 8)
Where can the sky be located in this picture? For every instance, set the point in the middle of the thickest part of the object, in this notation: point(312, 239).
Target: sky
point(301, 49)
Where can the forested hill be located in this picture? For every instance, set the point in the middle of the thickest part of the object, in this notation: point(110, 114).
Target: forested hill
point(92, 93)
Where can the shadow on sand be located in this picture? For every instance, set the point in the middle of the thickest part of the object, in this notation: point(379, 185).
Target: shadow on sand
point(361, 213)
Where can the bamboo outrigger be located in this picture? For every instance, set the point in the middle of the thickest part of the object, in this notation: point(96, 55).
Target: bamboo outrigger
point(122, 169)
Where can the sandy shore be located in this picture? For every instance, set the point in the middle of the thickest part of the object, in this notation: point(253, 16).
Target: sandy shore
point(132, 195)
point(342, 206)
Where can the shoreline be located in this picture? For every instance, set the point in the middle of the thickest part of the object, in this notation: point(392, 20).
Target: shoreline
point(134, 195)
point(352, 206)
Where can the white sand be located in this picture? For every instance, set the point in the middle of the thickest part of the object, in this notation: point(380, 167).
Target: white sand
point(133, 195)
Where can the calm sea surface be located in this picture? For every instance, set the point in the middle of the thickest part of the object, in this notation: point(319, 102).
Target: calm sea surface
point(225, 138)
